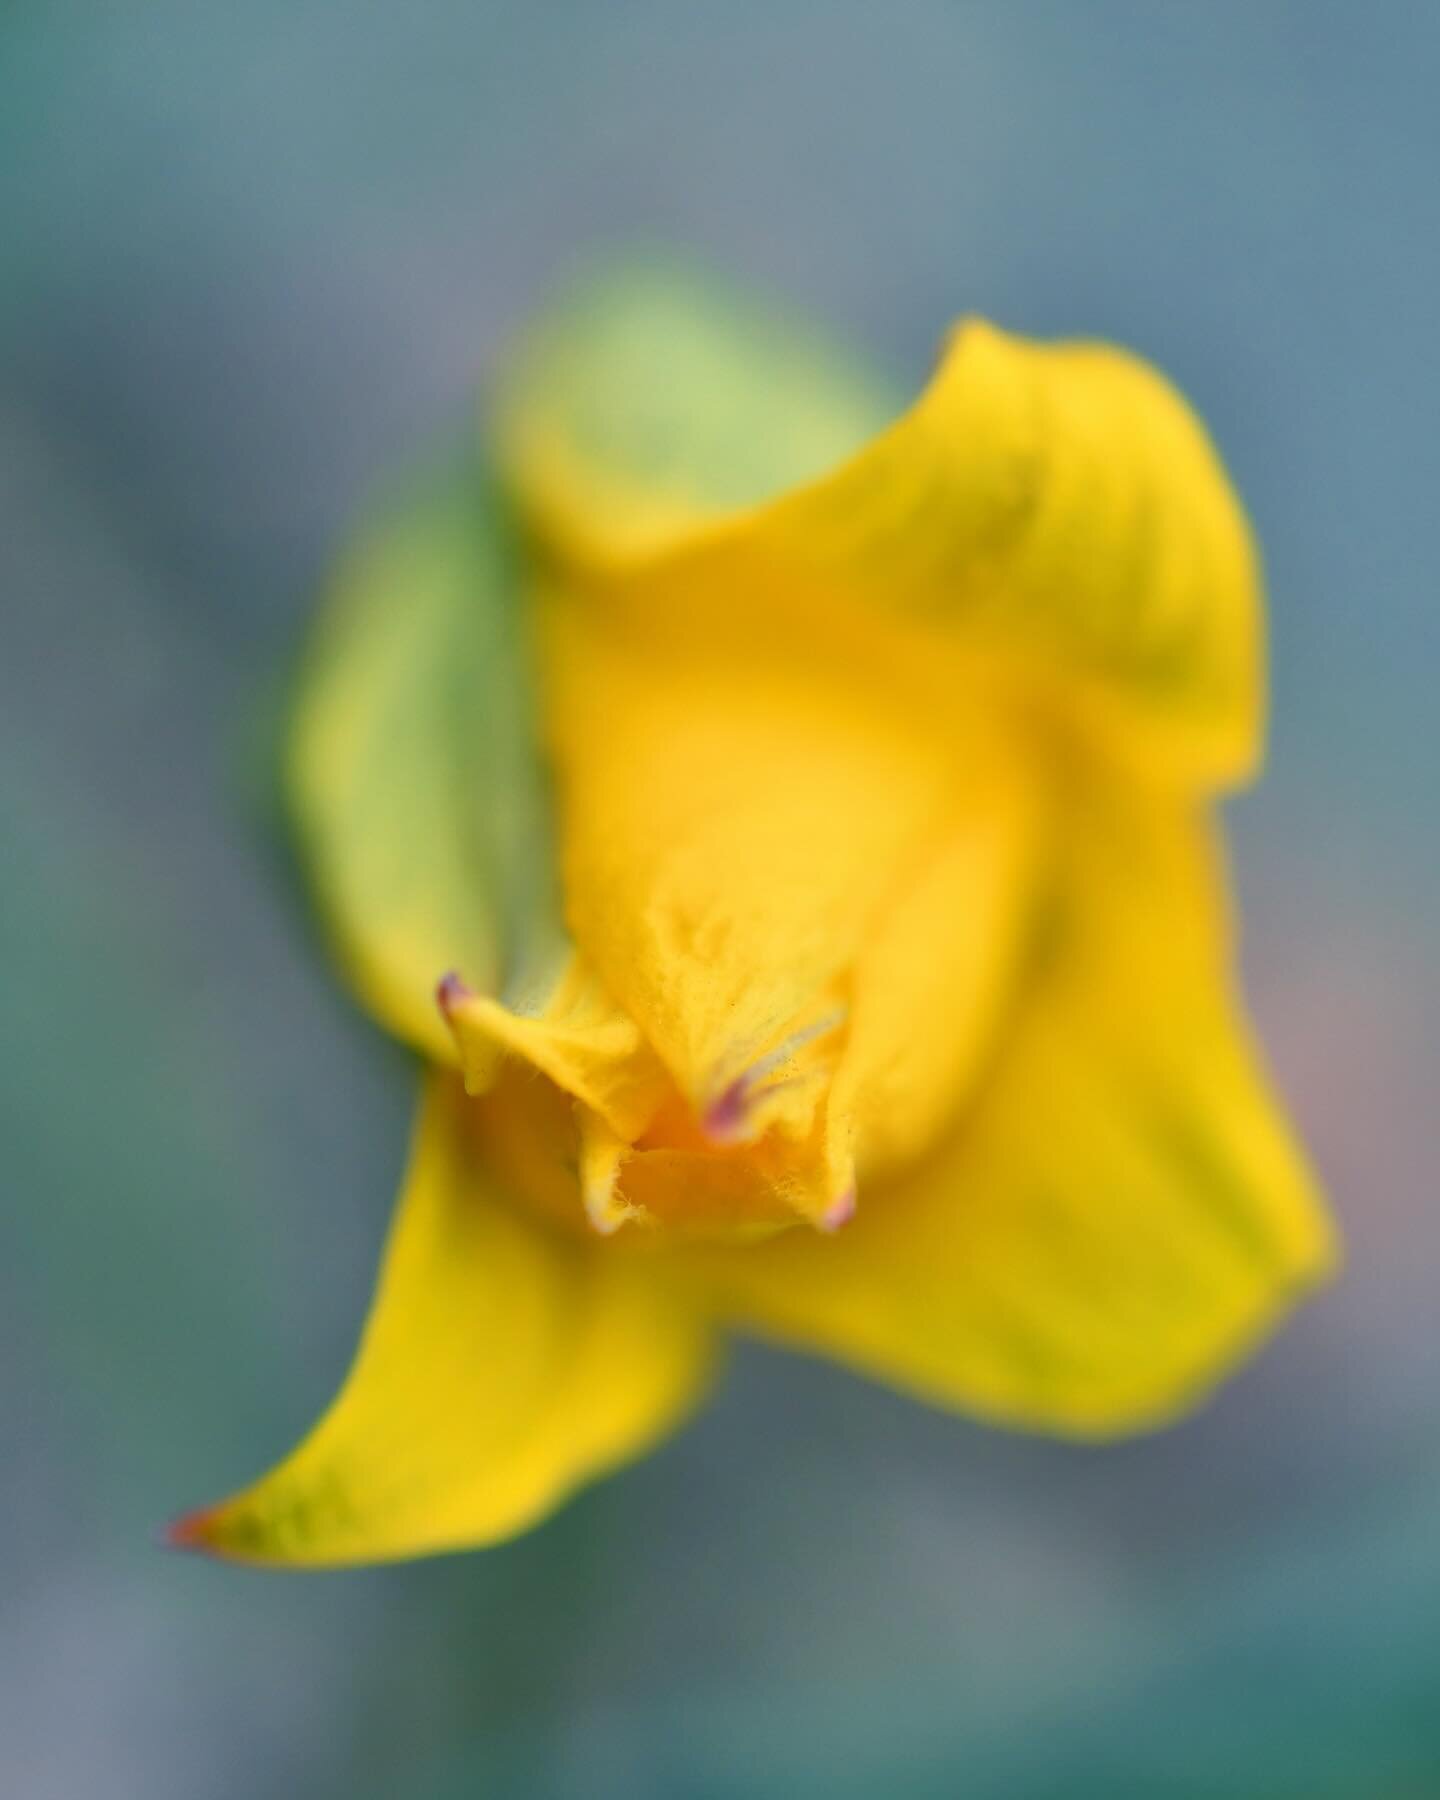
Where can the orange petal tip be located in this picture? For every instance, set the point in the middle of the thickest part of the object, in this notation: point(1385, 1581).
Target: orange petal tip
point(194, 1530)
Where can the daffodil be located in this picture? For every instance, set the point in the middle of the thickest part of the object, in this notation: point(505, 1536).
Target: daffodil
point(869, 983)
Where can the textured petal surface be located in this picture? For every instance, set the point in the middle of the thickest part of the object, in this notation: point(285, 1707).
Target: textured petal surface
point(412, 768)
point(581, 1039)
point(1054, 509)
point(503, 1364)
point(1121, 1213)
point(727, 837)
point(738, 827)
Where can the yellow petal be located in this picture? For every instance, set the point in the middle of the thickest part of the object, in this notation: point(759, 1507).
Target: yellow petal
point(933, 984)
point(503, 1364)
point(581, 1040)
point(1120, 1216)
point(412, 770)
point(1060, 508)
point(727, 835)
point(736, 832)
point(1055, 510)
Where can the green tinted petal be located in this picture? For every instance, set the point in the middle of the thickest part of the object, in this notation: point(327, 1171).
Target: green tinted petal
point(1055, 512)
point(654, 398)
point(413, 775)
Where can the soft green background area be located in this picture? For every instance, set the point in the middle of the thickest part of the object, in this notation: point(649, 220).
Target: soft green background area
point(252, 259)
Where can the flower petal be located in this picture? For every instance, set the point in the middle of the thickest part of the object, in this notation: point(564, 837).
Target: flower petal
point(581, 1040)
point(932, 987)
point(1056, 510)
point(1061, 508)
point(503, 1364)
point(653, 398)
point(412, 772)
point(1122, 1213)
point(733, 830)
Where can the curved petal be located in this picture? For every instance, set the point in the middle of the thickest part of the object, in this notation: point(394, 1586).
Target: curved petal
point(412, 772)
point(933, 985)
point(581, 1040)
point(503, 1364)
point(1055, 510)
point(1121, 1214)
point(1060, 508)
point(652, 399)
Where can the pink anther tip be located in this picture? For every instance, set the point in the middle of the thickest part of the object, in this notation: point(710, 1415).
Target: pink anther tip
point(450, 990)
point(725, 1118)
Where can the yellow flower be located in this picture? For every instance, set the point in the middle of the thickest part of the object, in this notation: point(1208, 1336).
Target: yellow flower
point(893, 1013)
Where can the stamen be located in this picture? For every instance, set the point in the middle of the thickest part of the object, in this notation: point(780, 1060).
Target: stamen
point(782, 1053)
point(728, 1118)
point(724, 1119)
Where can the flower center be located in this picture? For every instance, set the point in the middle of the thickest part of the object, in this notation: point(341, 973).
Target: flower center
point(586, 1123)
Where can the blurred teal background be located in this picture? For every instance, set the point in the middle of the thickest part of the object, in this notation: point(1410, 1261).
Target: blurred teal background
point(252, 259)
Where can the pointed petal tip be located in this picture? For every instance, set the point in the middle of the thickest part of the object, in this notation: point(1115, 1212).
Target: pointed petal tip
point(193, 1530)
point(606, 1212)
point(450, 991)
point(601, 1217)
point(839, 1213)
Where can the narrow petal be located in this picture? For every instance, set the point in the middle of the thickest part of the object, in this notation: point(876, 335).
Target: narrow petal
point(412, 768)
point(503, 1365)
point(1120, 1215)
